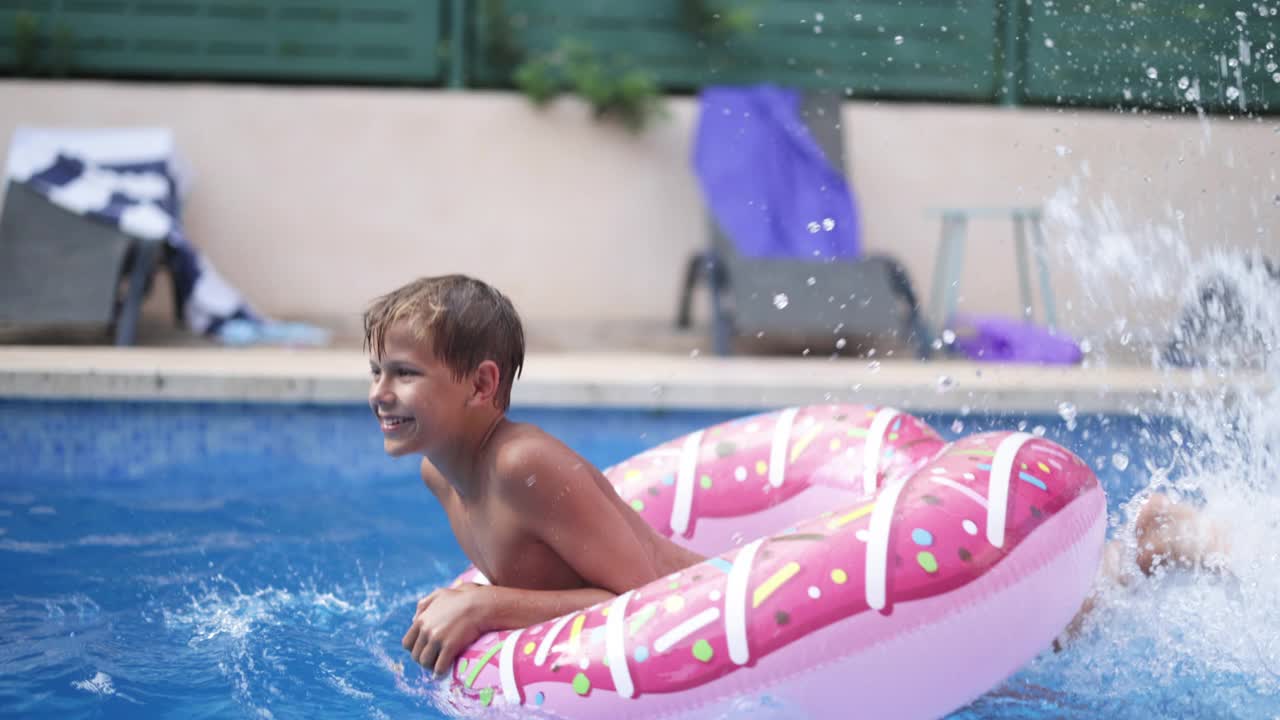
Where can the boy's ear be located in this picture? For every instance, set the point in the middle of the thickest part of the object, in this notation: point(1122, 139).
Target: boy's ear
point(484, 382)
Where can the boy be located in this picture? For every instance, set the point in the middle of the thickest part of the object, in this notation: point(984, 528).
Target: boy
point(540, 522)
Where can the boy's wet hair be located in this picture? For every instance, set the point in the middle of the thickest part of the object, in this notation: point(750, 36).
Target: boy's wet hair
point(466, 320)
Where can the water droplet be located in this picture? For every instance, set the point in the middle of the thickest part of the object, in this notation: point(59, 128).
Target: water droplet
point(945, 383)
point(813, 226)
point(1126, 338)
point(1120, 461)
point(817, 29)
point(965, 410)
point(695, 352)
point(874, 366)
point(828, 224)
point(1233, 62)
point(1067, 411)
point(819, 17)
point(898, 39)
point(1038, 431)
point(781, 301)
point(957, 426)
point(1276, 77)
point(1062, 150)
point(1177, 437)
point(1233, 93)
point(1152, 73)
point(1184, 82)
point(840, 343)
point(811, 281)
point(948, 336)
point(1048, 42)
point(857, 17)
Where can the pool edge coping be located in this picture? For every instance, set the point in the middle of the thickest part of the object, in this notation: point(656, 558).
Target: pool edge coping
point(603, 379)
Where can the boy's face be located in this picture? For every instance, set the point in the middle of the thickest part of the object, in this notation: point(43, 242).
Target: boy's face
point(418, 403)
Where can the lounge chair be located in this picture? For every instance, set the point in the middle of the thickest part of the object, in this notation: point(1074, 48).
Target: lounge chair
point(869, 297)
point(60, 271)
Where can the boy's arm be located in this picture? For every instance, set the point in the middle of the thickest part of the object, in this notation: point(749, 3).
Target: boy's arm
point(450, 619)
point(507, 607)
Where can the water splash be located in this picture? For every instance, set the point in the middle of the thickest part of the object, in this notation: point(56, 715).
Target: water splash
point(99, 684)
point(1204, 642)
point(265, 640)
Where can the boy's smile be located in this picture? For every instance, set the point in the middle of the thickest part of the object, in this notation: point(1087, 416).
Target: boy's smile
point(393, 424)
point(417, 399)
point(391, 390)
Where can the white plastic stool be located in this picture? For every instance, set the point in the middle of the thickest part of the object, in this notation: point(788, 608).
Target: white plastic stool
point(950, 260)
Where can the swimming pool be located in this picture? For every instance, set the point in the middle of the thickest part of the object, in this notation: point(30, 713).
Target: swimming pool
point(263, 560)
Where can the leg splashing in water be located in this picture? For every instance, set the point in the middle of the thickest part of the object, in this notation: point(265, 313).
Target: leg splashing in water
point(1167, 536)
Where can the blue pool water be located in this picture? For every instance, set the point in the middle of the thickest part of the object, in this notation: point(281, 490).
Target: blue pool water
point(210, 560)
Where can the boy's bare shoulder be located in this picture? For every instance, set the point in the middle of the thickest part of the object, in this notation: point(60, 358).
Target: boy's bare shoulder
point(529, 461)
point(523, 445)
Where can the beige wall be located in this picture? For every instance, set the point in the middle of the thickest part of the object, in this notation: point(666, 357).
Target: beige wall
point(314, 200)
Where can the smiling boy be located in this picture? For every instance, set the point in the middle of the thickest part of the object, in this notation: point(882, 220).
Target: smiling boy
point(540, 522)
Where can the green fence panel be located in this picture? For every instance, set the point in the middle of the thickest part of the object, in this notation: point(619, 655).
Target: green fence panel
point(324, 40)
point(926, 48)
point(1214, 54)
point(1221, 55)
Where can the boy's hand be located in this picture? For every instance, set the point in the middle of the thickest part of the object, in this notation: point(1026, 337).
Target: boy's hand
point(446, 622)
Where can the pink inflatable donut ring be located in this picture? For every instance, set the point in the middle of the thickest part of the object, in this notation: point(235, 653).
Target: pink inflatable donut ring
point(870, 567)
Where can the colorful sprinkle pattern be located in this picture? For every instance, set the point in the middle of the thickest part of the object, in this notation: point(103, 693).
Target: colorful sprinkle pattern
point(929, 529)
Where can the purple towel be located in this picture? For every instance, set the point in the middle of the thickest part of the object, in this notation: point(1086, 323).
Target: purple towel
point(766, 180)
point(1002, 339)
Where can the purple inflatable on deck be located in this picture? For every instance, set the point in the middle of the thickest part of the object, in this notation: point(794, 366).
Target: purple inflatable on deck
point(1001, 339)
